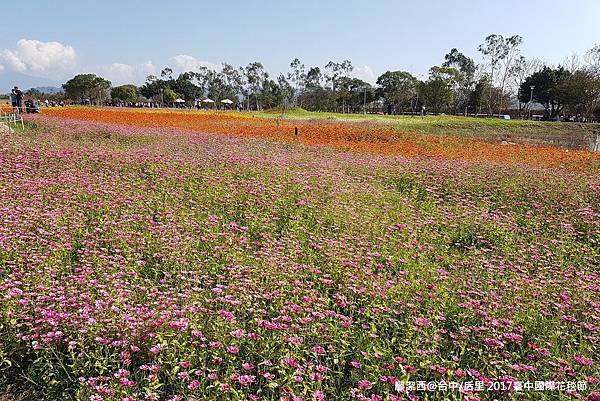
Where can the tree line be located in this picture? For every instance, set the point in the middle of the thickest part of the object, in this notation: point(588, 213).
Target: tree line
point(504, 80)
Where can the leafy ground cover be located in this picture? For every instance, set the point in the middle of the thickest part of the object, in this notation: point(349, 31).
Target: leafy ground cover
point(144, 263)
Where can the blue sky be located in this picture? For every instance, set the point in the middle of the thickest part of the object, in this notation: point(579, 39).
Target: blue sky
point(126, 40)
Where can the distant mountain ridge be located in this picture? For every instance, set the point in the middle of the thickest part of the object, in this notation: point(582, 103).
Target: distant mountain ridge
point(48, 90)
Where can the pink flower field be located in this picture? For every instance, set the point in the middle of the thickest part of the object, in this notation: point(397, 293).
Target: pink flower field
point(164, 264)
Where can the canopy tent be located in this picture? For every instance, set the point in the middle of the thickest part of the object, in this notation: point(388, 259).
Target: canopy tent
point(180, 100)
point(207, 100)
point(227, 101)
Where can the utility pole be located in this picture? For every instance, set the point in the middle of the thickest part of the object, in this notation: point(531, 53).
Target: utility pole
point(365, 102)
point(162, 97)
point(532, 87)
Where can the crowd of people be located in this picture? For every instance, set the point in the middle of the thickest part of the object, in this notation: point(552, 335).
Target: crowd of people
point(21, 105)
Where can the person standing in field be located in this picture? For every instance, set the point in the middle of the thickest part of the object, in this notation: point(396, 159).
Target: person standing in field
point(19, 96)
point(13, 98)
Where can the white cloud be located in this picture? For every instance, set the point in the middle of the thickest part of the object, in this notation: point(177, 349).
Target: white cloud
point(365, 73)
point(38, 59)
point(119, 73)
point(184, 62)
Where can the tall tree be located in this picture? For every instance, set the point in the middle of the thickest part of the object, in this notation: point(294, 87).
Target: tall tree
point(334, 71)
point(313, 78)
point(548, 89)
point(592, 57)
point(255, 77)
point(233, 81)
point(581, 93)
point(297, 77)
point(501, 52)
point(480, 96)
point(451, 77)
point(520, 70)
point(437, 92)
point(87, 86)
point(398, 89)
point(467, 68)
point(287, 90)
point(126, 93)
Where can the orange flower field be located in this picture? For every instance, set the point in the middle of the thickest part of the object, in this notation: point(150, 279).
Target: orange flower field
point(356, 137)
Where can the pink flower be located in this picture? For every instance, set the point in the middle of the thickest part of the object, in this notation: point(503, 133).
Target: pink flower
point(582, 360)
point(226, 315)
point(239, 333)
point(232, 350)
point(246, 380)
point(295, 340)
point(422, 322)
point(355, 364)
point(516, 338)
point(317, 377)
point(15, 292)
point(318, 395)
point(493, 343)
point(179, 324)
point(194, 384)
point(593, 397)
point(441, 370)
point(291, 362)
point(317, 349)
point(365, 385)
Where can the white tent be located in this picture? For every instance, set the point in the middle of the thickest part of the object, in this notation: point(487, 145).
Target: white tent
point(180, 100)
point(226, 101)
point(207, 100)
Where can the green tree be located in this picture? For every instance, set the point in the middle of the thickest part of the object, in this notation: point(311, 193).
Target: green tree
point(153, 86)
point(87, 86)
point(169, 95)
point(255, 78)
point(287, 90)
point(271, 94)
point(466, 66)
point(501, 53)
point(297, 78)
point(480, 96)
point(184, 86)
point(352, 93)
point(435, 93)
point(313, 78)
point(398, 89)
point(126, 93)
point(549, 89)
point(334, 71)
point(581, 93)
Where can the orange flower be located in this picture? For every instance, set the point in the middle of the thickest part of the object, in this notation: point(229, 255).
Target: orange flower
point(362, 138)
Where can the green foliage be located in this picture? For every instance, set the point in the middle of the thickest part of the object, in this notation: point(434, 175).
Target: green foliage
point(548, 89)
point(87, 86)
point(398, 88)
point(169, 95)
point(126, 93)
